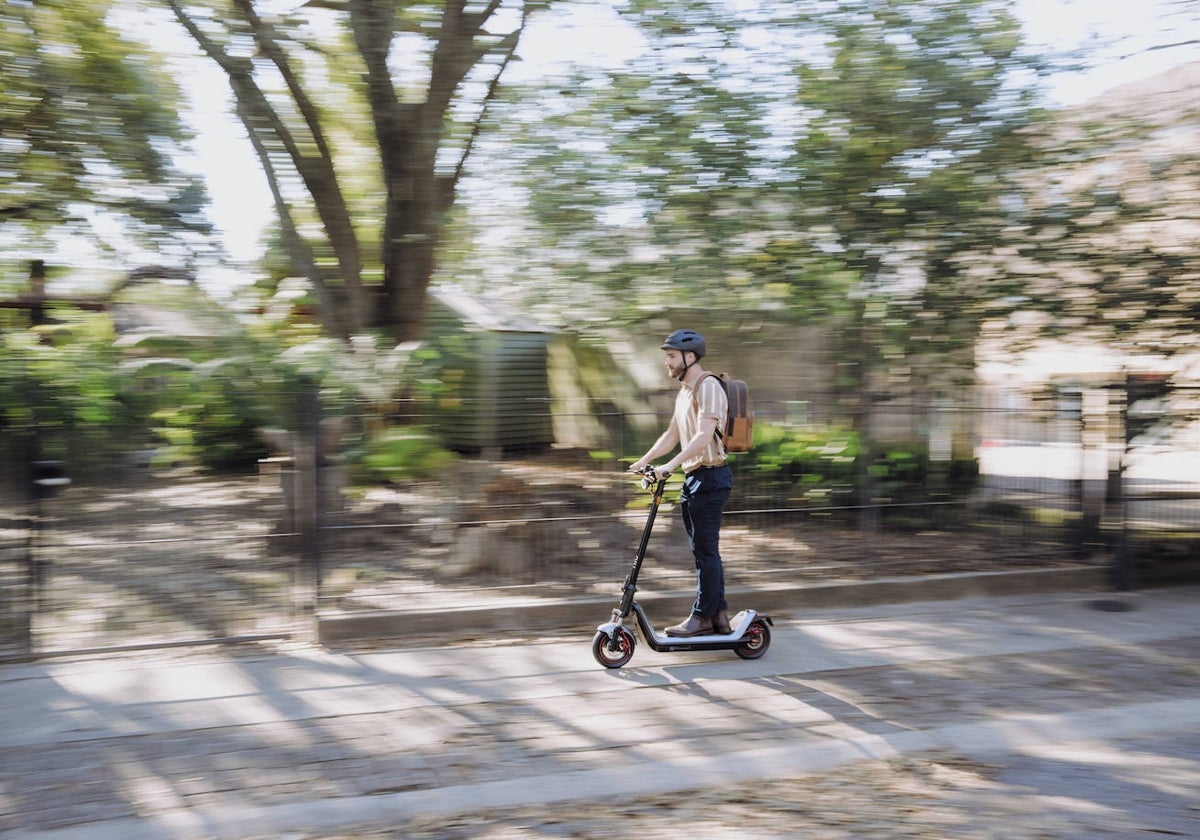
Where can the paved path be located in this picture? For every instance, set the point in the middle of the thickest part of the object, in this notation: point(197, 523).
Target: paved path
point(304, 743)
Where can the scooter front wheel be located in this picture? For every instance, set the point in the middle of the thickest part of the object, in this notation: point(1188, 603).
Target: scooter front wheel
point(758, 639)
point(613, 651)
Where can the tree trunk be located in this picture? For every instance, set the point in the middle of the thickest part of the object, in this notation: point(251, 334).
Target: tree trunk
point(409, 135)
point(419, 187)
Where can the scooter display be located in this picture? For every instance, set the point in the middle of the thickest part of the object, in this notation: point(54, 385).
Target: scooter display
point(614, 642)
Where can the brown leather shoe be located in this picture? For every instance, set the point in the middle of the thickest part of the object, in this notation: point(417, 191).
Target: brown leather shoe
point(693, 625)
point(721, 623)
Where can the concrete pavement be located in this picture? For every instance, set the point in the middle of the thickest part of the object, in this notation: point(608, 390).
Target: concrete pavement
point(297, 741)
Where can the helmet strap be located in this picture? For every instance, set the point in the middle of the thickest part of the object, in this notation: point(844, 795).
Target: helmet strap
point(686, 364)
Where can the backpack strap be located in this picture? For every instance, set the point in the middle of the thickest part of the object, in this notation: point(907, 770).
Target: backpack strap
point(717, 432)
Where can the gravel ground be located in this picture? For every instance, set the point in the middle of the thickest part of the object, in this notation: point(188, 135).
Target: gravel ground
point(931, 796)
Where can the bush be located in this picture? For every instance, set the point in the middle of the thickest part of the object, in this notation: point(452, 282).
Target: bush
point(809, 466)
point(825, 467)
point(215, 434)
point(60, 389)
point(400, 454)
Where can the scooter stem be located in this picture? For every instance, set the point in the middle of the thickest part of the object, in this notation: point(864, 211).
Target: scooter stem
point(630, 587)
point(659, 486)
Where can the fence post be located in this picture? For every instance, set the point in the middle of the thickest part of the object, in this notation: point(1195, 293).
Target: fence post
point(308, 501)
point(30, 597)
point(1123, 558)
point(939, 458)
point(868, 513)
point(1094, 436)
point(26, 453)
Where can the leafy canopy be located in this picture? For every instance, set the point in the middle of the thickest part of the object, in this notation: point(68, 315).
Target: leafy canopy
point(89, 137)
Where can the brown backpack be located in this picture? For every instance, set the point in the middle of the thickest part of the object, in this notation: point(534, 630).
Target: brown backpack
point(737, 432)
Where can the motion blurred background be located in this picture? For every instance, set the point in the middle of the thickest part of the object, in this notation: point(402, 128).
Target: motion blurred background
point(319, 308)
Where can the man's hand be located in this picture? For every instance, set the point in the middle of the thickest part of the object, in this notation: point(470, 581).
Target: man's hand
point(645, 470)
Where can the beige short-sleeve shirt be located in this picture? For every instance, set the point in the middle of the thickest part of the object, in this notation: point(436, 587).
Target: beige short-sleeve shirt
point(707, 400)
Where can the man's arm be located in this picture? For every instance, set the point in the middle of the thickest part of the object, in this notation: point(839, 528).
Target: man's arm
point(667, 441)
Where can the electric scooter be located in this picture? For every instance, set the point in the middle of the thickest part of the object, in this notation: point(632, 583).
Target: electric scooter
point(613, 645)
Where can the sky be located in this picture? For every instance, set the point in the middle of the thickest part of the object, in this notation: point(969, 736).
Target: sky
point(1139, 24)
point(241, 206)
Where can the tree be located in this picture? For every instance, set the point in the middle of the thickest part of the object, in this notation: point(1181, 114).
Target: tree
point(365, 235)
point(914, 143)
point(640, 185)
point(835, 162)
point(89, 132)
point(1107, 238)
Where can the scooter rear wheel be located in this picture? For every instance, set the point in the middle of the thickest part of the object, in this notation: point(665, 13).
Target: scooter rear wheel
point(617, 653)
point(758, 639)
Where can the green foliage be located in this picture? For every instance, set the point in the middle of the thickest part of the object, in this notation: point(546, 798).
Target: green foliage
point(89, 123)
point(826, 466)
point(830, 163)
point(216, 426)
point(211, 394)
point(813, 466)
point(60, 387)
point(227, 406)
point(401, 454)
point(366, 369)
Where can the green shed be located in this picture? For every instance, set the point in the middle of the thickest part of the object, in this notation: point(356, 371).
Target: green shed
point(492, 364)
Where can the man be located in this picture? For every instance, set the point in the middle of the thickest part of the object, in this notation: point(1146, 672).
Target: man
point(700, 409)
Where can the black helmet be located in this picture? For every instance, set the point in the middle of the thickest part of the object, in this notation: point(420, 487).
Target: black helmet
point(689, 340)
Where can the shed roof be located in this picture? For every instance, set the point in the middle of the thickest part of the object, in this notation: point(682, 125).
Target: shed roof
point(485, 312)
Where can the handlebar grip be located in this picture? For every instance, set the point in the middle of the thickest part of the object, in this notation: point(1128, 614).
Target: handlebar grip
point(650, 476)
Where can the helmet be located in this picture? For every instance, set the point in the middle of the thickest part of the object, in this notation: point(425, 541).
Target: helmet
point(689, 340)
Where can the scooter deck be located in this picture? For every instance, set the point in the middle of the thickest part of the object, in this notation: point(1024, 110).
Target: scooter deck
point(737, 626)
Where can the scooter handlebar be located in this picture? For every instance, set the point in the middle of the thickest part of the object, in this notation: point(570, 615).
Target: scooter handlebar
point(649, 476)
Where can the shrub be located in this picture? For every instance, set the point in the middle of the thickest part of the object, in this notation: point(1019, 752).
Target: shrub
point(400, 454)
point(824, 466)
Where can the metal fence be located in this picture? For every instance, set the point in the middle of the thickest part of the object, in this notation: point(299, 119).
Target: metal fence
point(133, 548)
point(145, 552)
point(532, 525)
point(147, 557)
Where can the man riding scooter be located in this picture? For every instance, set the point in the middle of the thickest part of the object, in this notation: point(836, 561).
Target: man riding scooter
point(700, 407)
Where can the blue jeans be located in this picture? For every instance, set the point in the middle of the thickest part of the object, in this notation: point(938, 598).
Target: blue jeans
point(702, 501)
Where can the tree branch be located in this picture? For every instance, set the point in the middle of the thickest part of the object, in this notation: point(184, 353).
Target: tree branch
point(510, 44)
point(262, 120)
point(265, 38)
point(373, 26)
point(299, 251)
